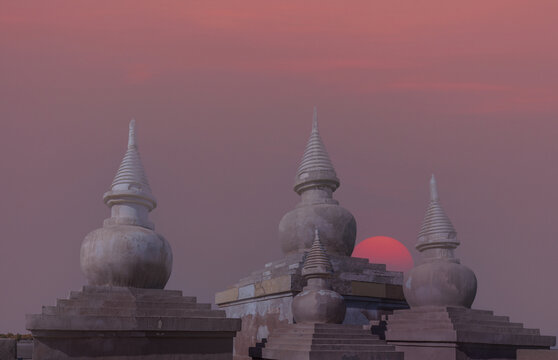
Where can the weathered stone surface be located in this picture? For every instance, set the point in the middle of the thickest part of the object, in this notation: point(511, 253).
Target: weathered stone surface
point(528, 354)
point(126, 323)
point(323, 342)
point(7, 348)
point(459, 333)
point(280, 281)
point(24, 349)
point(271, 305)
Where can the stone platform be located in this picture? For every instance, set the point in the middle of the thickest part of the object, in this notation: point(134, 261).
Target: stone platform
point(131, 323)
point(324, 342)
point(458, 333)
point(263, 299)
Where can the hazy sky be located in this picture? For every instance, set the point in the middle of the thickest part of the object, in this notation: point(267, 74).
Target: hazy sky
point(223, 94)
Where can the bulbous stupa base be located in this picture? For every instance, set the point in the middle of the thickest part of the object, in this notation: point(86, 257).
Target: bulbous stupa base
point(440, 283)
point(318, 306)
point(337, 228)
point(125, 255)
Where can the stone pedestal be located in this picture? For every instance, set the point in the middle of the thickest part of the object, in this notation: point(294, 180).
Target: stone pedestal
point(324, 342)
point(458, 333)
point(131, 323)
point(526, 354)
point(263, 300)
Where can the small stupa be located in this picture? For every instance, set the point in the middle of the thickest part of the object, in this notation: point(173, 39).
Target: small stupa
point(440, 291)
point(318, 312)
point(317, 303)
point(123, 312)
point(263, 299)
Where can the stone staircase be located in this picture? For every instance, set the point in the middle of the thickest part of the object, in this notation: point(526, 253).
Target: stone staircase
point(324, 342)
point(463, 325)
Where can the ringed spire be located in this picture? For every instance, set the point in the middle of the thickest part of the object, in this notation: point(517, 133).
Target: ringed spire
point(130, 180)
point(436, 225)
point(317, 263)
point(315, 167)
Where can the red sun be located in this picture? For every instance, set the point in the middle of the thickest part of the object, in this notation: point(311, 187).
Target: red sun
point(385, 250)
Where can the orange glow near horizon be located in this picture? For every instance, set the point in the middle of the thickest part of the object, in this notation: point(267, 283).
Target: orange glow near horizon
point(385, 250)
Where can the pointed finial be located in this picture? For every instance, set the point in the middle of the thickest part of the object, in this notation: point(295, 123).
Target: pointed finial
point(132, 134)
point(433, 189)
point(315, 120)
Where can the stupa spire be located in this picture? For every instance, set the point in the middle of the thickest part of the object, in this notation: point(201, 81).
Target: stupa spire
point(436, 226)
point(315, 167)
point(130, 180)
point(317, 263)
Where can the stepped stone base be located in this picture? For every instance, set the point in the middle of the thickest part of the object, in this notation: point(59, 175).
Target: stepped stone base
point(524, 354)
point(263, 299)
point(128, 323)
point(456, 333)
point(324, 342)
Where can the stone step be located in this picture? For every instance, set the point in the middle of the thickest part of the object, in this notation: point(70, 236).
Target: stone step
point(131, 312)
point(333, 330)
point(94, 303)
point(424, 316)
point(457, 322)
point(442, 309)
point(327, 347)
point(496, 327)
point(294, 340)
point(332, 355)
point(78, 295)
point(137, 292)
point(325, 337)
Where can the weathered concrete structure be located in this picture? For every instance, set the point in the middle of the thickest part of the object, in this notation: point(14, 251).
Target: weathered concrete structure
point(124, 313)
point(263, 299)
point(441, 324)
point(318, 313)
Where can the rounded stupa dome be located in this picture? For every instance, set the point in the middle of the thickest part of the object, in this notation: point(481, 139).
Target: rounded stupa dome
point(440, 283)
point(336, 224)
point(125, 255)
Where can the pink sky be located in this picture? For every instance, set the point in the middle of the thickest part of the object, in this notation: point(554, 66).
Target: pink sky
point(223, 94)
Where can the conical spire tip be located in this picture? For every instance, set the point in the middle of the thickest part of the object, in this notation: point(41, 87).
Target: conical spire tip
point(132, 133)
point(315, 119)
point(433, 189)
